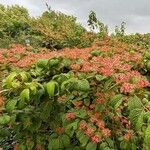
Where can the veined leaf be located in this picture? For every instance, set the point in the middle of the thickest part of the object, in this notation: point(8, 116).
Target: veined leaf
point(100, 77)
point(10, 105)
point(91, 146)
point(51, 86)
point(116, 101)
point(42, 63)
point(65, 140)
point(140, 121)
point(147, 137)
point(25, 95)
point(24, 76)
point(4, 119)
point(83, 85)
point(8, 81)
point(54, 144)
point(134, 115)
point(54, 62)
point(134, 102)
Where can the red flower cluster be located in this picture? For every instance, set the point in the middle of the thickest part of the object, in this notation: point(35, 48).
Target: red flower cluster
point(96, 139)
point(128, 135)
point(130, 81)
point(60, 130)
point(70, 116)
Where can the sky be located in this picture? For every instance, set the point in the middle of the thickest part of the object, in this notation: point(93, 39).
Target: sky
point(136, 13)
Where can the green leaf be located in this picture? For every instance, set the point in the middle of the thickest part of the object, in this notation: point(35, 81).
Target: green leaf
point(134, 115)
point(82, 113)
point(69, 84)
point(95, 52)
point(10, 105)
point(140, 121)
point(54, 144)
point(22, 147)
point(8, 81)
point(4, 132)
point(134, 102)
point(24, 76)
point(51, 87)
point(42, 63)
point(116, 101)
point(147, 137)
point(25, 95)
point(100, 77)
point(83, 139)
point(54, 62)
point(5, 119)
point(103, 145)
point(65, 140)
point(83, 85)
point(91, 146)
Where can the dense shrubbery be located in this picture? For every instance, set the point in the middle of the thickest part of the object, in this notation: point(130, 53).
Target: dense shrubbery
point(52, 29)
point(94, 98)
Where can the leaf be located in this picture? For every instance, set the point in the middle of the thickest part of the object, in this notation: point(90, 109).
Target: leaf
point(100, 77)
point(10, 105)
point(82, 113)
point(69, 84)
point(140, 121)
point(83, 139)
point(54, 144)
point(5, 119)
point(22, 147)
point(4, 132)
point(103, 145)
point(83, 85)
point(134, 115)
point(42, 63)
point(134, 102)
point(66, 62)
point(91, 146)
point(51, 86)
point(9, 79)
point(147, 137)
point(24, 76)
point(54, 62)
point(65, 140)
point(116, 101)
point(70, 128)
point(95, 52)
point(25, 95)
point(107, 84)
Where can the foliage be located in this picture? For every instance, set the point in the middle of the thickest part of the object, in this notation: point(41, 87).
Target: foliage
point(83, 99)
point(72, 99)
point(51, 29)
point(94, 23)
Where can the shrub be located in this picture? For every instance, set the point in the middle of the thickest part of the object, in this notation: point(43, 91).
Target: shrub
point(93, 102)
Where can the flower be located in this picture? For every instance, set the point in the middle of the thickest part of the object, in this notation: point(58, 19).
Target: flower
point(127, 88)
point(78, 103)
point(100, 101)
point(100, 124)
point(83, 125)
point(70, 116)
point(89, 132)
point(96, 139)
point(106, 132)
point(128, 135)
point(60, 130)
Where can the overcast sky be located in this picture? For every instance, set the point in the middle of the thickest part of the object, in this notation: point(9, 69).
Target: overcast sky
point(136, 13)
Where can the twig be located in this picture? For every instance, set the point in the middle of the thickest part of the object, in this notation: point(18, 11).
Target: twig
point(3, 91)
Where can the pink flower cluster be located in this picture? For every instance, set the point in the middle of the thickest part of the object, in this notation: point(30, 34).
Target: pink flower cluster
point(131, 81)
